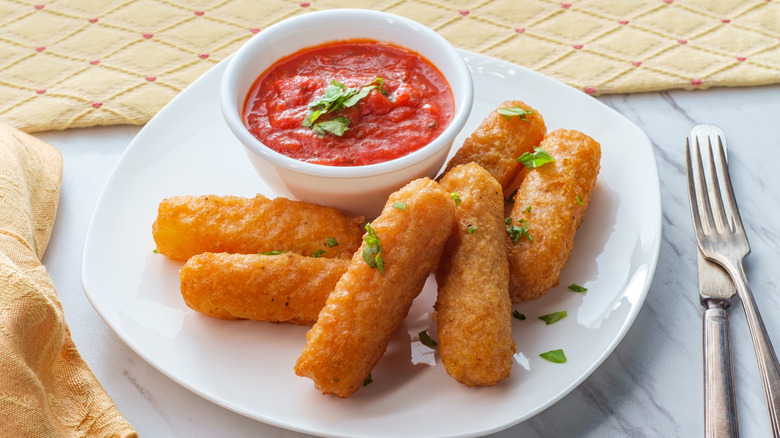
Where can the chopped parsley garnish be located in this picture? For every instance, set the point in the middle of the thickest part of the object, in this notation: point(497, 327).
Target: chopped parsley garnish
point(577, 288)
point(538, 158)
point(518, 315)
point(426, 339)
point(527, 209)
point(372, 253)
point(337, 96)
point(456, 198)
point(368, 380)
point(317, 254)
point(471, 228)
point(399, 205)
point(273, 252)
point(338, 126)
point(154, 250)
point(579, 200)
point(554, 356)
point(332, 242)
point(517, 231)
point(511, 197)
point(510, 112)
point(553, 317)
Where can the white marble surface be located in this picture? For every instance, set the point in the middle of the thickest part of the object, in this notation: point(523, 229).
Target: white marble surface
point(650, 386)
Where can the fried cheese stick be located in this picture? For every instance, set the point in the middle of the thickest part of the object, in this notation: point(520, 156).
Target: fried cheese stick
point(473, 305)
point(551, 201)
point(275, 288)
point(498, 141)
point(354, 328)
point(191, 225)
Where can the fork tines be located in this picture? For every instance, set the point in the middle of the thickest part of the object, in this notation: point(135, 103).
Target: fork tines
point(715, 215)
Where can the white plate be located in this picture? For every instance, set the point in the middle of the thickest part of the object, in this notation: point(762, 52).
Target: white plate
point(248, 366)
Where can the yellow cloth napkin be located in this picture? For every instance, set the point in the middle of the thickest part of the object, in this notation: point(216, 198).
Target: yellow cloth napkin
point(75, 63)
point(46, 389)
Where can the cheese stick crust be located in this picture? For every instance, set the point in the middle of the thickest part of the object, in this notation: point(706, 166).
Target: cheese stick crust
point(552, 191)
point(354, 327)
point(473, 305)
point(498, 142)
point(273, 288)
point(191, 225)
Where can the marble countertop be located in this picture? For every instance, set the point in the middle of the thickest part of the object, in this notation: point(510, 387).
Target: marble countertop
point(651, 385)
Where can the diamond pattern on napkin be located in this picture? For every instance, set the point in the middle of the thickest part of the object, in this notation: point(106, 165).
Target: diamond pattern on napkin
point(75, 63)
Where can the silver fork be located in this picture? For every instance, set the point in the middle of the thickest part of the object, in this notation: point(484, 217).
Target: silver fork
point(722, 239)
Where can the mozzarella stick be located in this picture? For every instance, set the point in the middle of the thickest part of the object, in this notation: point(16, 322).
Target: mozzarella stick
point(274, 288)
point(500, 140)
point(191, 225)
point(473, 305)
point(549, 206)
point(368, 303)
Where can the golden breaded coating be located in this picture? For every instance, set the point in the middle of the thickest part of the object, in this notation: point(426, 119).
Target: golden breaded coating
point(354, 327)
point(498, 142)
point(191, 225)
point(275, 288)
point(474, 309)
point(558, 194)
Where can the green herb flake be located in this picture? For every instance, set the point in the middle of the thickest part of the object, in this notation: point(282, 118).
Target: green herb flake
point(368, 380)
point(372, 253)
point(456, 198)
point(332, 242)
point(537, 159)
point(517, 231)
point(317, 254)
point(154, 250)
point(554, 317)
point(577, 288)
point(579, 200)
point(426, 339)
point(518, 315)
point(528, 209)
point(510, 112)
point(273, 252)
point(337, 126)
point(511, 197)
point(337, 96)
point(470, 229)
point(399, 205)
point(554, 356)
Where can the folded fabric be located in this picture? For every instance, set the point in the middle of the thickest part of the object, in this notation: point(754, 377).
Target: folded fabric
point(46, 389)
point(73, 63)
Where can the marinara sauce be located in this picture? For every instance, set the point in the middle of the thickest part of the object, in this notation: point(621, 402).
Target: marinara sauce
point(411, 107)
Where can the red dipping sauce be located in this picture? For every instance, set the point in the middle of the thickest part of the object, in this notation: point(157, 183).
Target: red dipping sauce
point(412, 106)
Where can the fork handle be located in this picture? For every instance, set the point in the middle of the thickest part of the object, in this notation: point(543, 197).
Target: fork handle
point(765, 353)
point(720, 407)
